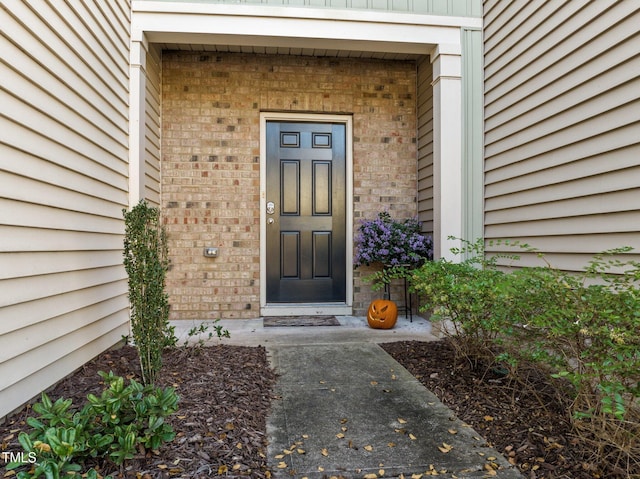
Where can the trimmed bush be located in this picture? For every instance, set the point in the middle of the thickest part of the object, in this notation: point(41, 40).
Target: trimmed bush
point(581, 328)
point(146, 263)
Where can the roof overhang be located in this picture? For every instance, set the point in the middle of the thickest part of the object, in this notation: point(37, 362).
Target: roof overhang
point(306, 30)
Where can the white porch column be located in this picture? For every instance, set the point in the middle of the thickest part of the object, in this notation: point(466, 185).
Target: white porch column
point(447, 148)
point(137, 101)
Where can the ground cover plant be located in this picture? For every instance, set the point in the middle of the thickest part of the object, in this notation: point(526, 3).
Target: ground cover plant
point(114, 426)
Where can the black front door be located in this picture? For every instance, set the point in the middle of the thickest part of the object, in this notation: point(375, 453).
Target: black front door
point(306, 215)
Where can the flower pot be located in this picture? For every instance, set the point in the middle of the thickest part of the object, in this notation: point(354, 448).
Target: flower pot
point(382, 314)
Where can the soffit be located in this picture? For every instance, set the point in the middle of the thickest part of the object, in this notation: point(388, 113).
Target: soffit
point(284, 50)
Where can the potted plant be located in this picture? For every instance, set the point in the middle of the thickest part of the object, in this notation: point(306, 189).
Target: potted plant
point(392, 243)
point(398, 246)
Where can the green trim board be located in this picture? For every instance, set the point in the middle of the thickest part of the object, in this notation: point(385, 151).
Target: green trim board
point(472, 134)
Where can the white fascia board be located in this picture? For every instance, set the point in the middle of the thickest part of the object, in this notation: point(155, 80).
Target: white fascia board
point(305, 13)
point(168, 22)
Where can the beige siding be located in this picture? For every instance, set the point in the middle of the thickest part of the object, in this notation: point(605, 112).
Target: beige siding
point(562, 126)
point(152, 125)
point(425, 144)
point(63, 171)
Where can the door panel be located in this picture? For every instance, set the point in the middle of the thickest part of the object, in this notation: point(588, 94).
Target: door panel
point(306, 242)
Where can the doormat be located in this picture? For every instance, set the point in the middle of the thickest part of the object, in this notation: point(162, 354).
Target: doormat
point(272, 321)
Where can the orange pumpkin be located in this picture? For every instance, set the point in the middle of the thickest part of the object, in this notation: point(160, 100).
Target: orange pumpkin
point(382, 314)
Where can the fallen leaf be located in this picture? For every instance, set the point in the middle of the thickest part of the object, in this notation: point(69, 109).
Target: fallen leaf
point(374, 383)
point(370, 476)
point(452, 431)
point(488, 418)
point(381, 472)
point(343, 429)
point(340, 435)
point(368, 447)
point(305, 436)
point(280, 456)
point(162, 466)
point(412, 437)
point(391, 444)
point(344, 420)
point(324, 452)
point(445, 448)
point(282, 465)
point(320, 469)
point(489, 470)
point(301, 451)
point(394, 377)
point(402, 421)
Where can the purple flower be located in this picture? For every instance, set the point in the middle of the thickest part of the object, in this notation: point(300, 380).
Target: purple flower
point(392, 242)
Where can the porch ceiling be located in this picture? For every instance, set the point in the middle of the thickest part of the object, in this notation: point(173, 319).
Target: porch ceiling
point(285, 50)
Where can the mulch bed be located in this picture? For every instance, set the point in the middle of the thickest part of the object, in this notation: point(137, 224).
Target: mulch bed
point(525, 420)
point(226, 391)
point(225, 395)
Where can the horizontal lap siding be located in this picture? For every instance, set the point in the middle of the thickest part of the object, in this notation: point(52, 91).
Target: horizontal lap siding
point(562, 126)
point(425, 145)
point(153, 125)
point(463, 8)
point(64, 175)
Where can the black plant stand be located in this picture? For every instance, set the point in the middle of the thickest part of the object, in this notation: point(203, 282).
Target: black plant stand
point(408, 306)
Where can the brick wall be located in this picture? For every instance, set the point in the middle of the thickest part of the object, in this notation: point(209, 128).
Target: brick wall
point(211, 108)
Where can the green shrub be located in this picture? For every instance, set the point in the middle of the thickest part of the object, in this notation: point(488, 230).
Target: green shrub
point(112, 426)
point(146, 263)
point(579, 327)
point(585, 327)
point(464, 296)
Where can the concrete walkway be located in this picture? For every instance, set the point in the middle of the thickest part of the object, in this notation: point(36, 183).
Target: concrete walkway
point(346, 409)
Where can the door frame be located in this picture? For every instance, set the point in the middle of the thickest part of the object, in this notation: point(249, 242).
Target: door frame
point(295, 309)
